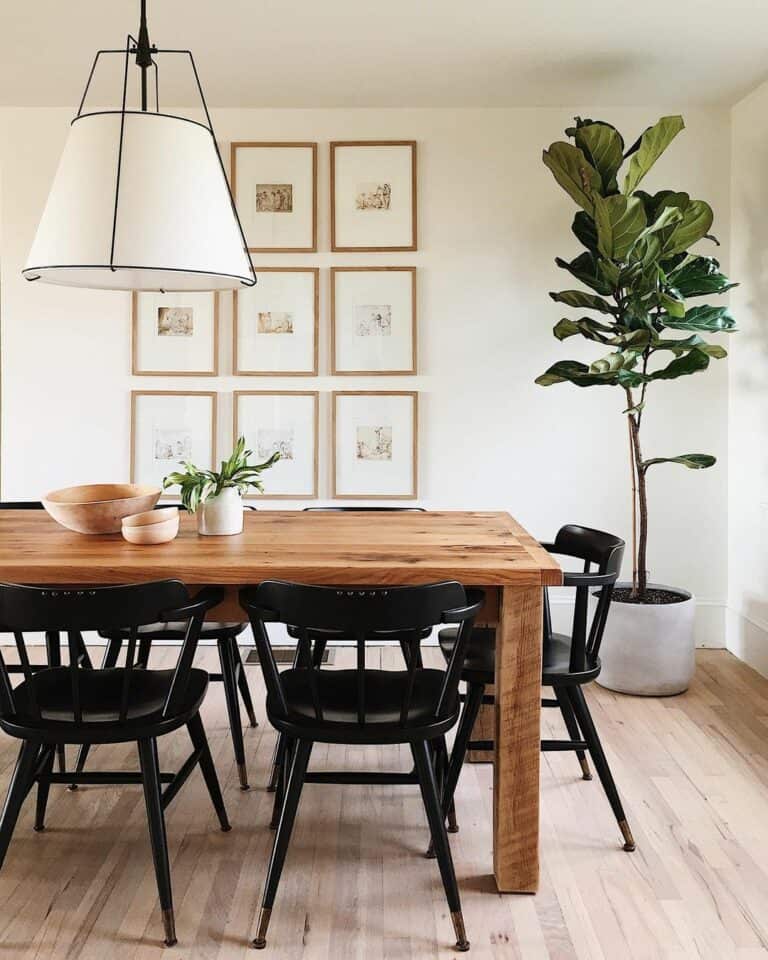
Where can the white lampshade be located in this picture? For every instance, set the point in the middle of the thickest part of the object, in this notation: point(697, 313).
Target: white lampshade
point(173, 227)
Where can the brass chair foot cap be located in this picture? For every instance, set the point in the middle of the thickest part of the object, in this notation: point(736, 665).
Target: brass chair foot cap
point(260, 940)
point(259, 943)
point(586, 776)
point(630, 847)
point(169, 926)
point(38, 829)
point(453, 828)
point(462, 944)
point(629, 840)
point(242, 773)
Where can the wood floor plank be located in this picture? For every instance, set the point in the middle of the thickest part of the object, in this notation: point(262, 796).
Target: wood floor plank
point(693, 772)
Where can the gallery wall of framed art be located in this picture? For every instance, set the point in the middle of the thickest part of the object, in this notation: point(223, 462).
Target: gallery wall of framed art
point(325, 317)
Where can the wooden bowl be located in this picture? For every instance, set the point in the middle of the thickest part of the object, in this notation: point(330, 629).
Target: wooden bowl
point(99, 507)
point(153, 526)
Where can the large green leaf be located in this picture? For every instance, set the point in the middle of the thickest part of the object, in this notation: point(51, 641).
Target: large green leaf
point(585, 268)
point(652, 144)
point(704, 319)
point(581, 299)
point(700, 276)
point(603, 146)
point(620, 221)
point(695, 224)
point(574, 173)
point(694, 461)
point(585, 231)
point(689, 363)
point(574, 372)
point(679, 347)
point(586, 326)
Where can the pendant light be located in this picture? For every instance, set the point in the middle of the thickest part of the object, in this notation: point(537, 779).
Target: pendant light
point(140, 200)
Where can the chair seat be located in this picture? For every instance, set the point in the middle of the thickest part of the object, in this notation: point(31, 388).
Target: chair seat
point(101, 694)
point(480, 657)
point(335, 635)
point(212, 630)
point(337, 692)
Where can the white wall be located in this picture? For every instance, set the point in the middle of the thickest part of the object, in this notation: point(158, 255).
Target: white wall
point(491, 222)
point(747, 632)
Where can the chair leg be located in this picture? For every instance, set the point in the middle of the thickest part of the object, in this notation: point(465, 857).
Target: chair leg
point(109, 660)
point(208, 769)
point(475, 693)
point(43, 789)
point(301, 754)
point(573, 729)
point(440, 755)
point(431, 799)
point(584, 717)
point(277, 759)
point(282, 780)
point(242, 683)
point(21, 780)
point(53, 655)
point(150, 772)
point(233, 708)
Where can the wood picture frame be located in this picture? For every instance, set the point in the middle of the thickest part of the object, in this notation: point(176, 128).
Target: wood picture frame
point(238, 430)
point(136, 396)
point(413, 493)
point(337, 246)
point(240, 371)
point(336, 370)
point(137, 370)
point(311, 235)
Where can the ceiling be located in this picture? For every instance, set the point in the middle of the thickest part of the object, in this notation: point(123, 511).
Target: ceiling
point(305, 53)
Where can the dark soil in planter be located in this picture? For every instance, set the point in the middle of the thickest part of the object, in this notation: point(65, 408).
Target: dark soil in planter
point(652, 595)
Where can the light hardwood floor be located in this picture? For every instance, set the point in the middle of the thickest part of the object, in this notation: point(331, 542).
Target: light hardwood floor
point(693, 771)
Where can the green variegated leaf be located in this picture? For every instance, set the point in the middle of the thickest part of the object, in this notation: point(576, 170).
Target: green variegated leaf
point(694, 461)
point(649, 148)
point(574, 173)
point(574, 372)
point(704, 319)
point(585, 268)
point(603, 146)
point(582, 300)
point(620, 221)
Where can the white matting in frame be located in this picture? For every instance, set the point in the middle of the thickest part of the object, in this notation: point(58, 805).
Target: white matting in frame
point(287, 422)
point(175, 334)
point(375, 441)
point(275, 191)
point(168, 428)
point(276, 323)
point(373, 195)
point(373, 320)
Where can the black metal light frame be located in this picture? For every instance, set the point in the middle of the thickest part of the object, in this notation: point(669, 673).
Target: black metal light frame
point(145, 54)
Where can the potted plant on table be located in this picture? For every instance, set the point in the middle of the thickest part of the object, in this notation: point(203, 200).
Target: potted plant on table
point(217, 497)
point(639, 272)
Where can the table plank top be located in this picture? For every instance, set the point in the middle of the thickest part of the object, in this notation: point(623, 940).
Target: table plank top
point(476, 548)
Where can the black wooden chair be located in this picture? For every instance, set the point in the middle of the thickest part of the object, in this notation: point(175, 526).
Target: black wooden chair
point(232, 674)
point(307, 704)
point(569, 662)
point(76, 704)
point(321, 639)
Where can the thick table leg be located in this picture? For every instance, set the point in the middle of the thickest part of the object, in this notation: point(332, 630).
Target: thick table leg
point(516, 766)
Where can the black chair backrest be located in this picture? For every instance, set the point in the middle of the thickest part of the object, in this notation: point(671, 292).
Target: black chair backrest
point(21, 505)
point(605, 551)
point(364, 613)
point(72, 610)
point(367, 509)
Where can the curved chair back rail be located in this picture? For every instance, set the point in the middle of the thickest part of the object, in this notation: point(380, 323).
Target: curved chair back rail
point(25, 609)
point(365, 614)
point(605, 551)
point(365, 509)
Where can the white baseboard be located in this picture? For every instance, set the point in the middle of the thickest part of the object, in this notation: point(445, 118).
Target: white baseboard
point(748, 640)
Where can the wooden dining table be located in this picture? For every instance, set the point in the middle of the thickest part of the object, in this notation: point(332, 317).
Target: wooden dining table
point(484, 549)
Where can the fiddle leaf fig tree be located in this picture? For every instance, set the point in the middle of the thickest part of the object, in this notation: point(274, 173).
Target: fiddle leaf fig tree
point(639, 274)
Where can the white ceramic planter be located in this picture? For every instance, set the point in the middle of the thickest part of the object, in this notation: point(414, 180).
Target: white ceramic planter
point(221, 516)
point(648, 649)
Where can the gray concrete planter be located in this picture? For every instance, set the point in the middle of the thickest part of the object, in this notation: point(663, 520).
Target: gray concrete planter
point(648, 649)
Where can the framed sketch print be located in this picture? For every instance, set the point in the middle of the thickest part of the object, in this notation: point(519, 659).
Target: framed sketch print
point(373, 195)
point(275, 191)
point(168, 427)
point(374, 445)
point(175, 334)
point(276, 324)
point(284, 421)
point(373, 320)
